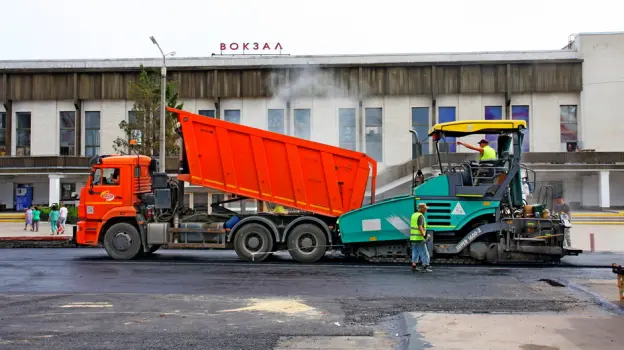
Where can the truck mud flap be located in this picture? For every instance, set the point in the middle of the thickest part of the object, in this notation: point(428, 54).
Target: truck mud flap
point(73, 240)
point(572, 251)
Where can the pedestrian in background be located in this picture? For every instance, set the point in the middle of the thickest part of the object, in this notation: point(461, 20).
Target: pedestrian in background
point(62, 216)
point(36, 219)
point(29, 218)
point(53, 219)
point(418, 235)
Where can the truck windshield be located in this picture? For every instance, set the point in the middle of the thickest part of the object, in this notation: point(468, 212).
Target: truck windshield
point(106, 176)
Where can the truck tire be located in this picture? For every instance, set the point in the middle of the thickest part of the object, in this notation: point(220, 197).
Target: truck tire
point(253, 242)
point(307, 243)
point(122, 242)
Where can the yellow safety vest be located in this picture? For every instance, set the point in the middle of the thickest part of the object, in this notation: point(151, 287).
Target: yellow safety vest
point(415, 234)
point(488, 153)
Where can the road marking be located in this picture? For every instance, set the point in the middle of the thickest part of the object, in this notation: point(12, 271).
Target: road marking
point(27, 340)
point(87, 304)
point(277, 306)
point(193, 314)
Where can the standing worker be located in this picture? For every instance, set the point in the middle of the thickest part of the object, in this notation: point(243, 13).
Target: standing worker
point(418, 235)
point(486, 152)
point(563, 209)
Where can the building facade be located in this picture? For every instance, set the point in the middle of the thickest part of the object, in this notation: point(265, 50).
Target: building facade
point(54, 115)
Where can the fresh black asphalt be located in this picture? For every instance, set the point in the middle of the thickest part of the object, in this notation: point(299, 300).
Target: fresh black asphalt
point(79, 298)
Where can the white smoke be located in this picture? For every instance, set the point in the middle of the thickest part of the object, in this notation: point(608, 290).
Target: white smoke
point(314, 84)
point(310, 82)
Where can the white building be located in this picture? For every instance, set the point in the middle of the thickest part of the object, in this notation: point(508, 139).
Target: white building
point(55, 114)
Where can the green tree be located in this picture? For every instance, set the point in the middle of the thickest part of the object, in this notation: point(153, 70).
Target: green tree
point(144, 122)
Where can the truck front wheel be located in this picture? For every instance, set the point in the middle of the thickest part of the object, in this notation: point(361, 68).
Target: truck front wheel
point(307, 243)
point(122, 241)
point(253, 242)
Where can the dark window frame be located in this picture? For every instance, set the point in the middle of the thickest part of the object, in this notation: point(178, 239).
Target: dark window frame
point(88, 128)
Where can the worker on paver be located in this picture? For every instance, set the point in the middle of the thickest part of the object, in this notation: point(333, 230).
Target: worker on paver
point(563, 209)
point(486, 152)
point(526, 190)
point(418, 235)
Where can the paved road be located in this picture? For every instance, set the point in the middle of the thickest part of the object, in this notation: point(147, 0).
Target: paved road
point(79, 298)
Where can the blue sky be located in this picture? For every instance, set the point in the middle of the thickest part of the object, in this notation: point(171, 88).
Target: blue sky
point(63, 29)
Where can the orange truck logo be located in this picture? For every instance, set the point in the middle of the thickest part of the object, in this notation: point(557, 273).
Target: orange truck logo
point(107, 196)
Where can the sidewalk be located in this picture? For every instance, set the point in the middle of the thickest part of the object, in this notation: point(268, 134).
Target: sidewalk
point(607, 238)
point(13, 231)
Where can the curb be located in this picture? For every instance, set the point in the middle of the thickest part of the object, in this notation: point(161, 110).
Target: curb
point(58, 243)
point(596, 298)
point(36, 238)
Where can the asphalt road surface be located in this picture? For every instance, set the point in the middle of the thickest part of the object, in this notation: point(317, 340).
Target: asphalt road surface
point(79, 299)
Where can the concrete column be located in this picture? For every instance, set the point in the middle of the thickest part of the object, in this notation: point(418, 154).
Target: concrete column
point(54, 192)
point(603, 189)
point(209, 194)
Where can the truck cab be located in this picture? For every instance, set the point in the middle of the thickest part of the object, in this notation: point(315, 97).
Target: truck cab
point(111, 196)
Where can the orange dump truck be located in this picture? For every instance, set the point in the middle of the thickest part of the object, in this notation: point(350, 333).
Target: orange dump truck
point(131, 209)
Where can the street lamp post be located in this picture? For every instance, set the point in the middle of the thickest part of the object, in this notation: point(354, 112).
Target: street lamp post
point(163, 105)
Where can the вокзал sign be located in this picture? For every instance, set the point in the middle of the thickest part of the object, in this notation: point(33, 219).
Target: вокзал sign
point(255, 46)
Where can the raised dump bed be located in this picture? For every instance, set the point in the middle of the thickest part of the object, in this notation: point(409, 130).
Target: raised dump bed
point(272, 167)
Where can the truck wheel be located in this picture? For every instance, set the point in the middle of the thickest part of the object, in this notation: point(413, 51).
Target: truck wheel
point(307, 243)
point(253, 242)
point(122, 242)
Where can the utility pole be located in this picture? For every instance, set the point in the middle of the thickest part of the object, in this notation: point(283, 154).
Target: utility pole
point(163, 105)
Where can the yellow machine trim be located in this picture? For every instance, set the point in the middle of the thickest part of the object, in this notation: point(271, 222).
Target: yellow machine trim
point(469, 127)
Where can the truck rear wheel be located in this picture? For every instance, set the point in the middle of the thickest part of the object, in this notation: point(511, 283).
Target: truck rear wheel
point(122, 241)
point(253, 242)
point(307, 243)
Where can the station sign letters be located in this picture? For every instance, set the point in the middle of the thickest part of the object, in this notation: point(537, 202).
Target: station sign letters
point(249, 46)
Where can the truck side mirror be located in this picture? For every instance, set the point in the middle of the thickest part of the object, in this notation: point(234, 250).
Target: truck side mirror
point(92, 174)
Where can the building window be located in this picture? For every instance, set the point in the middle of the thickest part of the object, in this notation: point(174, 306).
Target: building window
point(135, 132)
point(346, 128)
point(216, 198)
point(2, 133)
point(522, 113)
point(200, 202)
point(493, 113)
point(302, 123)
point(68, 133)
point(445, 115)
point(569, 128)
point(23, 133)
point(276, 120)
point(92, 133)
point(374, 133)
point(420, 124)
point(66, 191)
point(210, 113)
point(232, 116)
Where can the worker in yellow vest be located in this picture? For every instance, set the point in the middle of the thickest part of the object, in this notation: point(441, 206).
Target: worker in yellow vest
point(418, 238)
point(486, 152)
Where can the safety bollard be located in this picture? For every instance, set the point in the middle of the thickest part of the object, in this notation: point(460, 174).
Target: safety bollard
point(591, 242)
